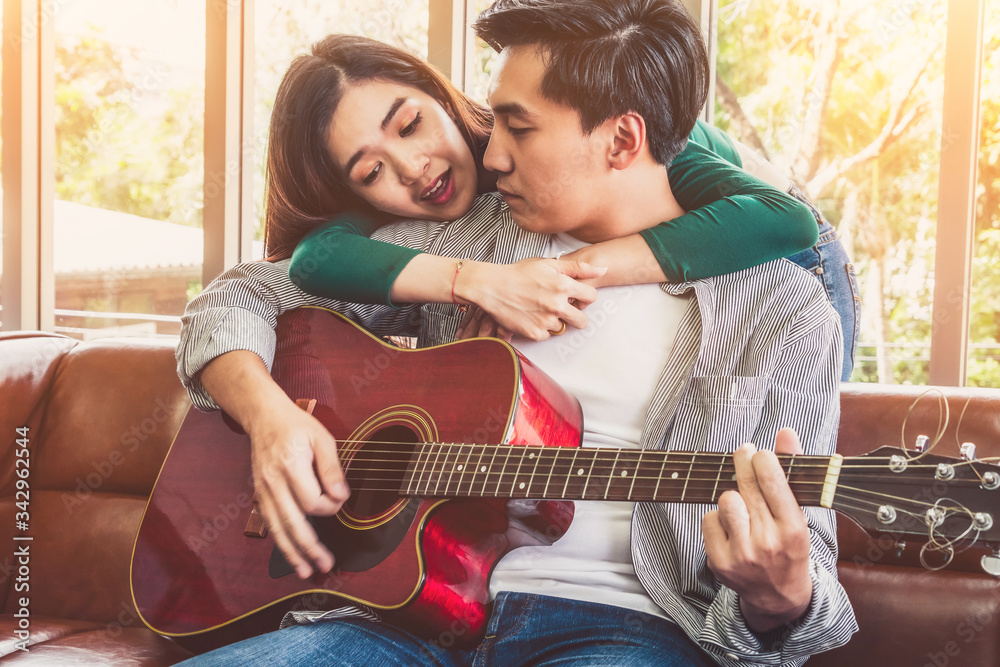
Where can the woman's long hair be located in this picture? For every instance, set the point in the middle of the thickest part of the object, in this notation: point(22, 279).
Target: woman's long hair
point(301, 187)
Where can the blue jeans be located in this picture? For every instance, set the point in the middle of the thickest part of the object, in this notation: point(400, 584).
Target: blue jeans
point(828, 261)
point(523, 629)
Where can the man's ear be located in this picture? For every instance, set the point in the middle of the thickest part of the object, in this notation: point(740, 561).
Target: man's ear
point(628, 139)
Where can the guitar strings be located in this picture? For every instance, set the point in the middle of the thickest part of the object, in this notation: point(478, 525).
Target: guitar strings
point(611, 450)
point(845, 500)
point(852, 461)
point(845, 469)
point(611, 456)
point(862, 495)
point(842, 480)
point(944, 416)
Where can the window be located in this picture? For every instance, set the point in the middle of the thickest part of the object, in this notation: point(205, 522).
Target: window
point(3, 236)
point(984, 350)
point(483, 57)
point(110, 223)
point(283, 30)
point(849, 100)
point(129, 164)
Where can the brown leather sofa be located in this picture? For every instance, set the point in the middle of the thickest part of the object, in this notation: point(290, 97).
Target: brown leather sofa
point(101, 416)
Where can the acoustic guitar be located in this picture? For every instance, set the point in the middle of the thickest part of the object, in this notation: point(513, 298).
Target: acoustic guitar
point(456, 455)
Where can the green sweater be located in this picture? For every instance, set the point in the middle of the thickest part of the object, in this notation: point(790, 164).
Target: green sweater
point(734, 221)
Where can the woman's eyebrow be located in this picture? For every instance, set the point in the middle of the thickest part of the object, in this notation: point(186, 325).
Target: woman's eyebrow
point(400, 101)
point(393, 108)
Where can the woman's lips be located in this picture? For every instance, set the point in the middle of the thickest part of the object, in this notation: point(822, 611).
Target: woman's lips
point(441, 190)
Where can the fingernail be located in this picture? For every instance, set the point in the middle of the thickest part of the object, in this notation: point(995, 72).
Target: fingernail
point(341, 490)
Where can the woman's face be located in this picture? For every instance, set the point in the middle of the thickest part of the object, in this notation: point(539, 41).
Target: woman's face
point(399, 150)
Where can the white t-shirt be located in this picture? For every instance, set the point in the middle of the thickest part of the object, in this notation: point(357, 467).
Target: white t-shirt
point(612, 367)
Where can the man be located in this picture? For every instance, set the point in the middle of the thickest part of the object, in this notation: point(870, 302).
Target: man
point(592, 99)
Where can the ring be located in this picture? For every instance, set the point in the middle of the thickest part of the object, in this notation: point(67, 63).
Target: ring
point(561, 331)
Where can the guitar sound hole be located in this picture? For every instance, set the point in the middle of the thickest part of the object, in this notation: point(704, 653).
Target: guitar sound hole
point(375, 473)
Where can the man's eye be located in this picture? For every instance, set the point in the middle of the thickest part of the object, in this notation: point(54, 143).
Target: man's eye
point(370, 178)
point(411, 127)
point(517, 131)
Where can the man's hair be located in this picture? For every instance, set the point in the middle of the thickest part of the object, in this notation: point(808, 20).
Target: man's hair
point(606, 58)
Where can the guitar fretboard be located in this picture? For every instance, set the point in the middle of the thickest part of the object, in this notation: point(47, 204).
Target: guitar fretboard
point(573, 473)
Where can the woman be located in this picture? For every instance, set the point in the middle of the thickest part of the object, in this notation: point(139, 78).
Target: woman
point(228, 330)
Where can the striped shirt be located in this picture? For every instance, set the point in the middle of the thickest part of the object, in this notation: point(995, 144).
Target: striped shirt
point(756, 351)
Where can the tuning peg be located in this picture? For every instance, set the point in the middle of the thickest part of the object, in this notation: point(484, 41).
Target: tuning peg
point(991, 481)
point(968, 451)
point(921, 443)
point(991, 563)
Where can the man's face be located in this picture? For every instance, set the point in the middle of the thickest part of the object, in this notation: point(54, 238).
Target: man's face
point(549, 171)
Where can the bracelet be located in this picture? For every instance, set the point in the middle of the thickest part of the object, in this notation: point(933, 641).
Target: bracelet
point(454, 281)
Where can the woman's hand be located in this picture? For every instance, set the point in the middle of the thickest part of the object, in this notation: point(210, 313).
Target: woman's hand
point(530, 298)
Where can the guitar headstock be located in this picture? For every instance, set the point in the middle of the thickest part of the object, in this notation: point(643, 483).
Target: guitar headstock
point(952, 503)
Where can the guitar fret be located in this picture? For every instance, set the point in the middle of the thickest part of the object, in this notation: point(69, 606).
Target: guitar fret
point(436, 450)
point(593, 460)
point(663, 471)
point(489, 471)
point(451, 464)
point(440, 465)
point(572, 467)
point(555, 459)
point(470, 468)
point(410, 476)
point(503, 470)
point(715, 489)
point(426, 455)
point(520, 462)
point(464, 464)
point(424, 473)
point(479, 469)
point(611, 474)
point(536, 455)
point(688, 479)
point(448, 451)
point(635, 475)
point(466, 455)
point(415, 479)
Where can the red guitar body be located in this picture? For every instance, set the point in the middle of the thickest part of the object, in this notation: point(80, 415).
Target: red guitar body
point(422, 564)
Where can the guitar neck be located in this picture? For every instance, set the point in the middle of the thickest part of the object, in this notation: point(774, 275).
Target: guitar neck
point(574, 473)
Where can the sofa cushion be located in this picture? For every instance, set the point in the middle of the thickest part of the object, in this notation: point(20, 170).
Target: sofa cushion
point(100, 418)
point(27, 367)
point(919, 618)
point(56, 641)
point(113, 409)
